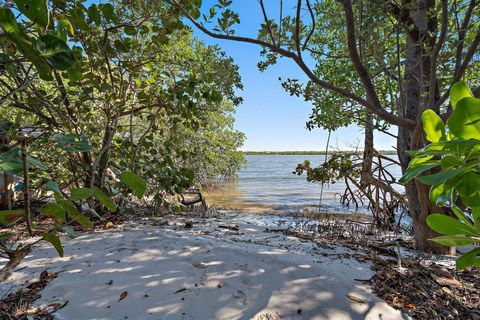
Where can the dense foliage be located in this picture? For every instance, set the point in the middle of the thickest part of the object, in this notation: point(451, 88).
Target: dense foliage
point(127, 79)
point(110, 102)
point(454, 158)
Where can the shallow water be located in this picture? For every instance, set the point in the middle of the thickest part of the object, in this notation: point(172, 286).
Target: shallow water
point(267, 183)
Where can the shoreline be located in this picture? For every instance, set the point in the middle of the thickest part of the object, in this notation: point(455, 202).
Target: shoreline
point(209, 271)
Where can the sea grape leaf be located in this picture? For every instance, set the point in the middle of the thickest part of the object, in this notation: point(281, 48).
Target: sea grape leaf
point(35, 10)
point(55, 51)
point(134, 182)
point(55, 211)
point(104, 199)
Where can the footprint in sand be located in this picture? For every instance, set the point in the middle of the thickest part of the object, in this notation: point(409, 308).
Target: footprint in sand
point(241, 295)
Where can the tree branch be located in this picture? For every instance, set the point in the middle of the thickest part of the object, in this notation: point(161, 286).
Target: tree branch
point(375, 108)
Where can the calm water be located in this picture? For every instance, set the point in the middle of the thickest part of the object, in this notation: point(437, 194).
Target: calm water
point(267, 183)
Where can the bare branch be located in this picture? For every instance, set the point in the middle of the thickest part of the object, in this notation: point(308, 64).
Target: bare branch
point(297, 28)
point(312, 30)
point(462, 33)
point(267, 22)
point(435, 54)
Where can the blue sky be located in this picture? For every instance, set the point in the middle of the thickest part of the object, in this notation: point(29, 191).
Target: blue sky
point(272, 119)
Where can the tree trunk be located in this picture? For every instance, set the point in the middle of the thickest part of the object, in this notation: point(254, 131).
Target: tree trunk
point(416, 77)
point(367, 149)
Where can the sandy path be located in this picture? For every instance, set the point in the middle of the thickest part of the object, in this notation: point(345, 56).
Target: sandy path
point(219, 274)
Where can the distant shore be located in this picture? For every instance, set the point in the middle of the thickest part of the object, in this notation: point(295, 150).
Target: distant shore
point(286, 153)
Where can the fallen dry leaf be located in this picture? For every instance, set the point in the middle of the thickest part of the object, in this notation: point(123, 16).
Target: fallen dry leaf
point(123, 295)
point(356, 298)
point(451, 282)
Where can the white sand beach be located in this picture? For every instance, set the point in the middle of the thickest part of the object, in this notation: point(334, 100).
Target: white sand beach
point(204, 272)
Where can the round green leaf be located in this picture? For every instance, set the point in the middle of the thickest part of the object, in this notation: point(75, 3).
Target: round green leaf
point(459, 91)
point(55, 211)
point(134, 183)
point(465, 120)
point(55, 51)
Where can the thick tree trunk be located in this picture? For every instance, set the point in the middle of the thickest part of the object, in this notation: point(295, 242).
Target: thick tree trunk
point(415, 86)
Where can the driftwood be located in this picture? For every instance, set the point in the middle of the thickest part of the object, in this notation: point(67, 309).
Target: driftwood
point(191, 202)
point(15, 257)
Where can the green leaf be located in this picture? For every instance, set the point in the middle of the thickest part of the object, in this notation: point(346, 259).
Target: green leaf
point(469, 184)
point(441, 177)
point(12, 154)
point(447, 225)
point(94, 14)
point(450, 161)
point(78, 194)
point(465, 120)
point(12, 167)
point(55, 241)
point(439, 195)
point(53, 186)
point(22, 42)
point(460, 215)
point(459, 91)
point(416, 170)
point(72, 142)
point(55, 211)
point(130, 30)
point(67, 25)
point(9, 217)
point(75, 72)
point(419, 160)
point(134, 182)
point(469, 259)
point(8, 21)
point(472, 201)
point(454, 241)
point(104, 199)
point(476, 216)
point(36, 163)
point(433, 126)
point(76, 215)
point(55, 51)
point(108, 11)
point(35, 10)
